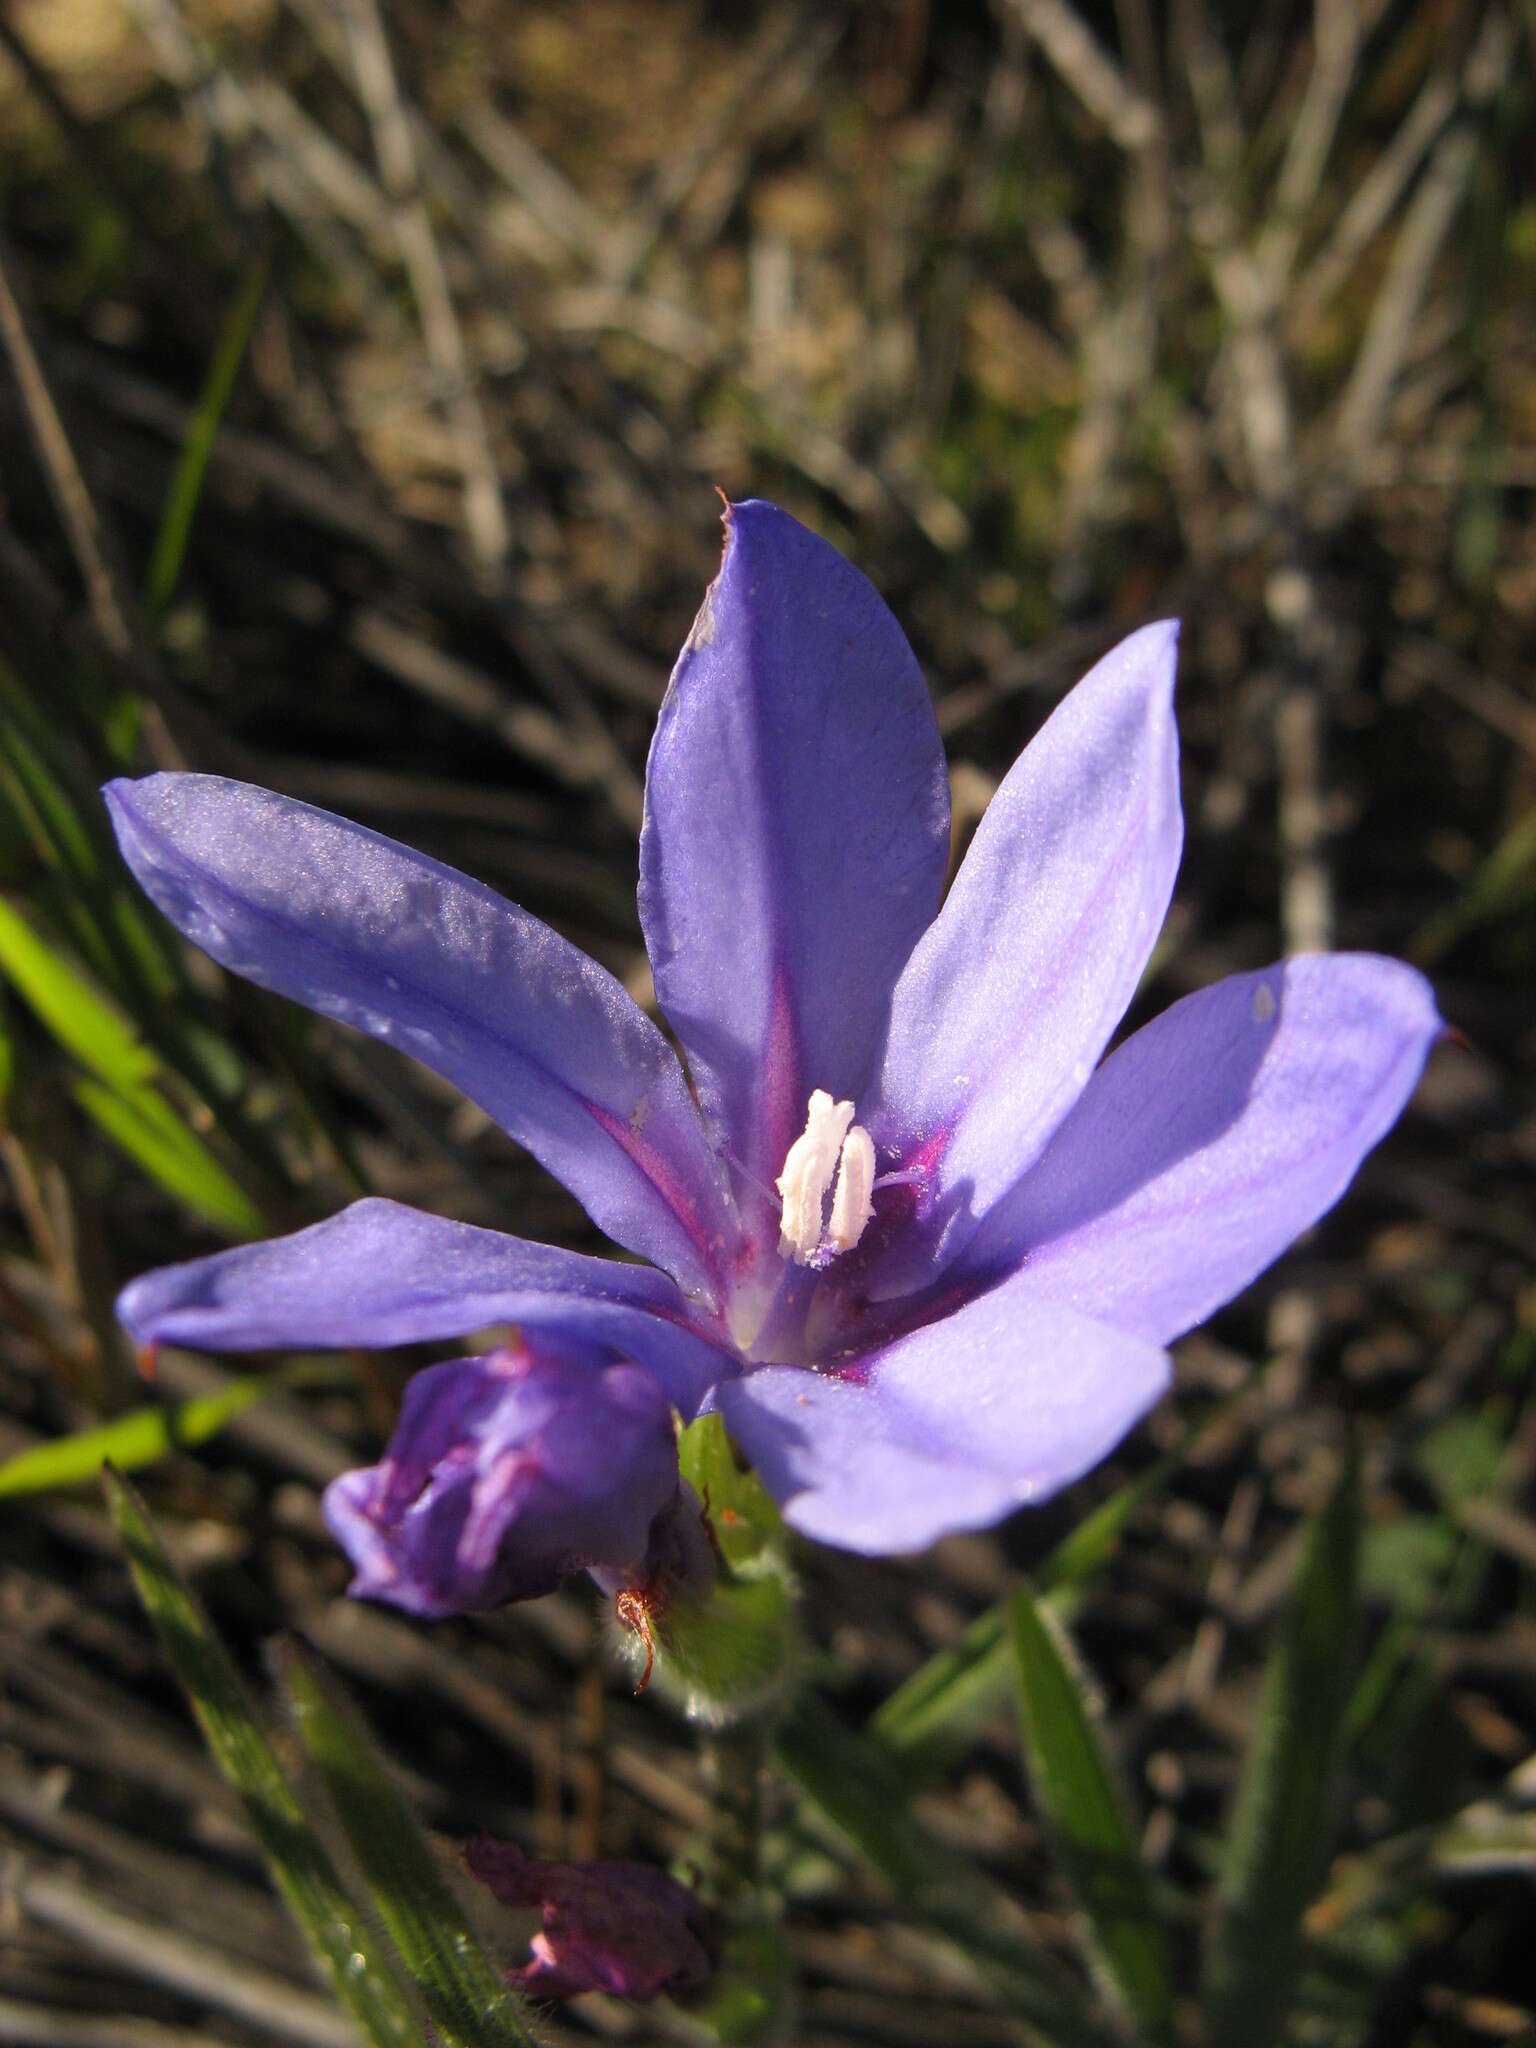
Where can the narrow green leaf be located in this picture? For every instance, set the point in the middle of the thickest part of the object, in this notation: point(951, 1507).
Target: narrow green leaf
point(154, 1137)
point(1076, 1790)
point(37, 810)
point(1501, 885)
point(53, 826)
point(170, 547)
point(1278, 1848)
point(70, 1009)
point(861, 1790)
point(1085, 1550)
point(931, 1715)
point(464, 1993)
point(99, 912)
point(336, 1930)
point(131, 1441)
point(60, 815)
point(935, 1712)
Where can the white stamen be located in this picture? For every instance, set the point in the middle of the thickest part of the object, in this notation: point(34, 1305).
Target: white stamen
point(808, 1169)
point(827, 1147)
point(851, 1204)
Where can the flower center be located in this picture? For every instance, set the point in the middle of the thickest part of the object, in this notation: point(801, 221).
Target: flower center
point(831, 1147)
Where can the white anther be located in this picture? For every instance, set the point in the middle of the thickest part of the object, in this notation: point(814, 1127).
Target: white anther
point(808, 1169)
point(827, 1147)
point(851, 1204)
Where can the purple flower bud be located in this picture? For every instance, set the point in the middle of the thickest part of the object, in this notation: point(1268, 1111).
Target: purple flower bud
point(618, 1927)
point(504, 1475)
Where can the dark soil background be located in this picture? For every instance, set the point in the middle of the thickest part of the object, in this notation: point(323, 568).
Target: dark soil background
point(1054, 321)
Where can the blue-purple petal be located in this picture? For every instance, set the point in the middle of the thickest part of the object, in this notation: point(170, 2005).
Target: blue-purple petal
point(1013, 993)
point(380, 1274)
point(994, 1407)
point(1212, 1138)
point(796, 832)
point(367, 931)
point(504, 1475)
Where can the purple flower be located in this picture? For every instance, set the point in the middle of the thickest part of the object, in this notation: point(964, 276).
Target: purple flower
point(504, 1475)
point(618, 1927)
point(919, 1247)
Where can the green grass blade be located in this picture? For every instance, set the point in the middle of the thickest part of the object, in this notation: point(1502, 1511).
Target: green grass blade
point(46, 801)
point(42, 810)
point(861, 1790)
point(1077, 1792)
point(341, 1939)
point(131, 1441)
point(170, 548)
point(464, 1993)
point(1278, 1848)
point(1501, 886)
point(61, 819)
point(70, 1009)
point(933, 1714)
point(145, 1126)
point(116, 1091)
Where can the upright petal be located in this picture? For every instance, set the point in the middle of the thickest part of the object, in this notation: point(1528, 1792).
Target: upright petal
point(505, 1475)
point(1007, 1003)
point(999, 1405)
point(1212, 1138)
point(380, 1274)
point(796, 832)
point(362, 929)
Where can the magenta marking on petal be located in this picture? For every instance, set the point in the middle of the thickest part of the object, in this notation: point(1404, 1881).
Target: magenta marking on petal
point(780, 1110)
point(653, 1165)
point(854, 1372)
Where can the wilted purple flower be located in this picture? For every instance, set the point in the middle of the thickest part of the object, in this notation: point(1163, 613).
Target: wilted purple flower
point(619, 1927)
point(490, 1490)
point(917, 1245)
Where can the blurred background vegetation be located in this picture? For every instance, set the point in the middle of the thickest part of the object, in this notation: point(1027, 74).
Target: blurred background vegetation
point(365, 374)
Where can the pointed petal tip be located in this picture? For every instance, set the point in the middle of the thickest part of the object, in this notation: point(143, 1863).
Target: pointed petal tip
point(759, 520)
point(130, 795)
point(797, 740)
point(131, 1310)
point(1155, 646)
point(1215, 1135)
point(118, 796)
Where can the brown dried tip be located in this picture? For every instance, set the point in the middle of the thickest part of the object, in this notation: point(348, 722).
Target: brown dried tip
point(148, 1360)
point(634, 1611)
